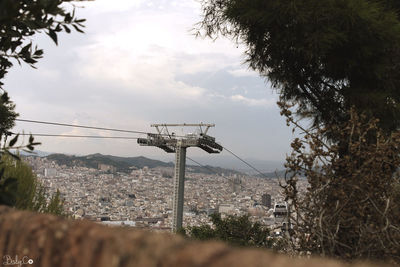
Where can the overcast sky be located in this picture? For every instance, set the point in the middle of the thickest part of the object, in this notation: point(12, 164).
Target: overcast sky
point(137, 64)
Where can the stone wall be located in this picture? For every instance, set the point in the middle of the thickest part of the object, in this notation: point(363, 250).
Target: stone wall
point(49, 241)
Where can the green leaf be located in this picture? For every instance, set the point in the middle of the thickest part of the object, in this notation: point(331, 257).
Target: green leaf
point(67, 29)
point(25, 49)
point(38, 52)
point(77, 28)
point(14, 45)
point(36, 144)
point(13, 141)
point(30, 60)
point(58, 28)
point(68, 18)
point(53, 36)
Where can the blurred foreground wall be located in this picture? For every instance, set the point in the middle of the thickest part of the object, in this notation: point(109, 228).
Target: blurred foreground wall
point(31, 239)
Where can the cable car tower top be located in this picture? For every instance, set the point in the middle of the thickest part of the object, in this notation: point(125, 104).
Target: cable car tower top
point(168, 141)
point(171, 143)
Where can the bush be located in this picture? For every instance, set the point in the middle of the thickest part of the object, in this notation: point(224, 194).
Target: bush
point(351, 208)
point(25, 192)
point(235, 230)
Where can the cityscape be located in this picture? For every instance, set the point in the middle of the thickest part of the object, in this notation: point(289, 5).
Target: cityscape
point(143, 197)
point(200, 133)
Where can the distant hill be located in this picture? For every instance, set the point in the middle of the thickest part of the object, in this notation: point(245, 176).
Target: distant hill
point(121, 163)
point(36, 153)
point(126, 164)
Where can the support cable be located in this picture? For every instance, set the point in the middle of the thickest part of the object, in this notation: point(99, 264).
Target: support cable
point(78, 136)
point(208, 168)
point(245, 162)
point(84, 126)
point(201, 165)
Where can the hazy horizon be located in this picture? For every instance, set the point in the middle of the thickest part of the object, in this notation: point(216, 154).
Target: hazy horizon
point(223, 161)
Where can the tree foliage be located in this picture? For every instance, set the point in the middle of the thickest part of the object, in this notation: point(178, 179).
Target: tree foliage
point(25, 192)
point(21, 19)
point(350, 209)
point(9, 183)
point(7, 114)
point(235, 230)
point(337, 62)
point(327, 56)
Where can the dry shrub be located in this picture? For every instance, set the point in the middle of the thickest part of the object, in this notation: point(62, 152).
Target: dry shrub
point(350, 209)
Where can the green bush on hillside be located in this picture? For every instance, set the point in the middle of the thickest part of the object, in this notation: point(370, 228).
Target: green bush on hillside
point(22, 190)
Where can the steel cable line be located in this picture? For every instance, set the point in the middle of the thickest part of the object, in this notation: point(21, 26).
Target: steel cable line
point(78, 136)
point(201, 165)
point(245, 162)
point(84, 126)
point(206, 167)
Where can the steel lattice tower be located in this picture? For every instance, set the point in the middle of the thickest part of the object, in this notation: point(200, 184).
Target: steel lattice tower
point(173, 144)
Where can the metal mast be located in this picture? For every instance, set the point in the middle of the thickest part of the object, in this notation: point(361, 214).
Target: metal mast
point(173, 144)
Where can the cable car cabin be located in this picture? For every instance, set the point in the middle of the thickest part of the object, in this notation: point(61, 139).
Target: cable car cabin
point(280, 210)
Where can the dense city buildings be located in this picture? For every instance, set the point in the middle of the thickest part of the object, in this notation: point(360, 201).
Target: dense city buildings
point(143, 197)
point(266, 200)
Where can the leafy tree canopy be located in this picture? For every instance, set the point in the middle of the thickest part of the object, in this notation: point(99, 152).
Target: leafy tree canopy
point(326, 56)
point(20, 188)
point(7, 114)
point(21, 19)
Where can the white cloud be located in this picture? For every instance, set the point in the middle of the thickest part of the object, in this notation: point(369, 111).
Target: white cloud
point(151, 73)
point(48, 73)
point(242, 72)
point(106, 6)
point(253, 102)
point(145, 51)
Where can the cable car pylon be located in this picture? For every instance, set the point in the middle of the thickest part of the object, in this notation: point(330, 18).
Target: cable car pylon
point(171, 143)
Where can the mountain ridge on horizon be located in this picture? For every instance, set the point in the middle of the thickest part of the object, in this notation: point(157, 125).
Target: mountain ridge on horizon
point(126, 164)
point(223, 162)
